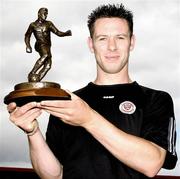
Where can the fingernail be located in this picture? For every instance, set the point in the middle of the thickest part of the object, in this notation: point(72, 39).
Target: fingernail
point(33, 103)
point(42, 103)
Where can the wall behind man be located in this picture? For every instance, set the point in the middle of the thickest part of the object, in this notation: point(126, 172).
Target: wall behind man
point(155, 62)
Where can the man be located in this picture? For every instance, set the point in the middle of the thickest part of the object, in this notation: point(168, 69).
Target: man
point(41, 30)
point(115, 128)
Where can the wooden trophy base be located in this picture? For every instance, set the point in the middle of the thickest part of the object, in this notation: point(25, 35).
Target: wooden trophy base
point(36, 91)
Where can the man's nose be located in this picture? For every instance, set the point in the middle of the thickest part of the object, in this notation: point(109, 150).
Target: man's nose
point(112, 46)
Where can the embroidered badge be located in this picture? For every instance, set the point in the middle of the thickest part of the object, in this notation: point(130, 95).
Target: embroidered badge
point(127, 107)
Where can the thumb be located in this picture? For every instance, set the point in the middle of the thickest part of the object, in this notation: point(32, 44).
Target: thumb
point(73, 96)
point(11, 107)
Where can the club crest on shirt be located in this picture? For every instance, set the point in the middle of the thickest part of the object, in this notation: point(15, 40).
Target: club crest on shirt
point(127, 107)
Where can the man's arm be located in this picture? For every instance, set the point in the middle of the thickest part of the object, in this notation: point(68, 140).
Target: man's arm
point(43, 160)
point(58, 32)
point(137, 153)
point(27, 38)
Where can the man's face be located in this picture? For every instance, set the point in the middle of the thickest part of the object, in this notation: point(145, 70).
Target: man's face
point(43, 14)
point(111, 44)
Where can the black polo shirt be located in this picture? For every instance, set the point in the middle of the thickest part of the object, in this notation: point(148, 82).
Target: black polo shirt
point(132, 108)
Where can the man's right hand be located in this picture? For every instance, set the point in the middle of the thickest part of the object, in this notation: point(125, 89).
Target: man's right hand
point(68, 33)
point(28, 49)
point(24, 117)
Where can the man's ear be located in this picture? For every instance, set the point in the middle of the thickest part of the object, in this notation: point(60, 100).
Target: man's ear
point(90, 44)
point(133, 39)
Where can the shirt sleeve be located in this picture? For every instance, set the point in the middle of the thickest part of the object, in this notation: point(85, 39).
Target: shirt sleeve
point(159, 125)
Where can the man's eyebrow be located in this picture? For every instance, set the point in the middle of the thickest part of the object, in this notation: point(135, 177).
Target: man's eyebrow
point(101, 35)
point(104, 35)
point(123, 34)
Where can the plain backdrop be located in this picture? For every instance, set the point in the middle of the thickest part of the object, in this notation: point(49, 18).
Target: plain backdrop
point(155, 61)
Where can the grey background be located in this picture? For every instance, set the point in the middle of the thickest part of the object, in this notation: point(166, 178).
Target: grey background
point(155, 61)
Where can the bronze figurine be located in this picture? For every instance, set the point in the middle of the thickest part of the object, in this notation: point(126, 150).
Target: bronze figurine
point(34, 89)
point(41, 29)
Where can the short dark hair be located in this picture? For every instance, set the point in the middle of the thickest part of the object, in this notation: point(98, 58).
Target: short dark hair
point(42, 9)
point(110, 10)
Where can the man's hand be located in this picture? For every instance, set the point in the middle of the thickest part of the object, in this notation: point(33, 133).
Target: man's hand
point(68, 33)
point(28, 49)
point(24, 117)
point(74, 112)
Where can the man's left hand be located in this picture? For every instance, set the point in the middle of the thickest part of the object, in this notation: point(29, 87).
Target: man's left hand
point(74, 112)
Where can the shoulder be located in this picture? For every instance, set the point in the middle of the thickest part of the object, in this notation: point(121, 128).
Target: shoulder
point(157, 99)
point(82, 91)
point(155, 94)
point(32, 24)
point(49, 23)
point(85, 92)
point(30, 28)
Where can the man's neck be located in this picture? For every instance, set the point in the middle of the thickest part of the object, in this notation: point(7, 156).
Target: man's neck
point(107, 78)
point(112, 79)
point(40, 20)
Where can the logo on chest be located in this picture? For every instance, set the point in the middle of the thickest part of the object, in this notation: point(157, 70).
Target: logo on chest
point(127, 107)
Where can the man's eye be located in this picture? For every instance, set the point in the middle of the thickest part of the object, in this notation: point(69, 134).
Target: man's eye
point(121, 38)
point(102, 38)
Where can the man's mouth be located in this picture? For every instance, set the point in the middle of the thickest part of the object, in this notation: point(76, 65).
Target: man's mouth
point(112, 57)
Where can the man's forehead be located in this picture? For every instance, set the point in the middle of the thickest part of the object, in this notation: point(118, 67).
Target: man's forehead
point(43, 10)
point(106, 20)
point(111, 24)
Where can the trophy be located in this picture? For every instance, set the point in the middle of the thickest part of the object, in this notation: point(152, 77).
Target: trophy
point(35, 89)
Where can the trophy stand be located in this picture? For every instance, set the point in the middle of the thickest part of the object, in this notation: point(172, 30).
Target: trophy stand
point(36, 91)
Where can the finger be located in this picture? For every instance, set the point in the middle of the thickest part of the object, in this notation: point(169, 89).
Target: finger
point(66, 111)
point(28, 116)
point(27, 124)
point(34, 114)
point(73, 96)
point(11, 107)
point(22, 110)
point(61, 116)
point(55, 103)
